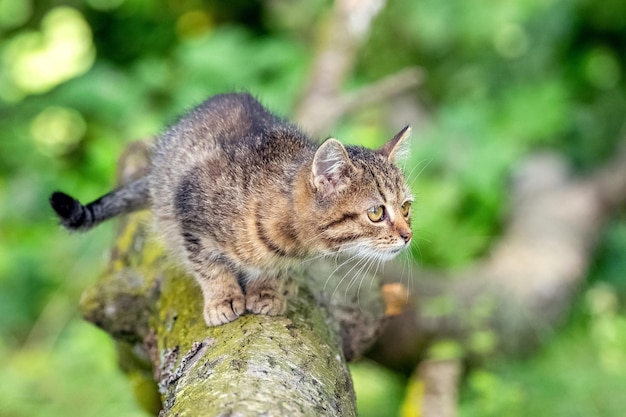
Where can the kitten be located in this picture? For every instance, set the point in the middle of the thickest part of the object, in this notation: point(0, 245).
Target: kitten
point(242, 196)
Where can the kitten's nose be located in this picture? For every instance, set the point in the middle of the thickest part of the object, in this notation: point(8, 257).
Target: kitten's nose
point(406, 234)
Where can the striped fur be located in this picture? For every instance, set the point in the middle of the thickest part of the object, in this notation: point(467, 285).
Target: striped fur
point(242, 196)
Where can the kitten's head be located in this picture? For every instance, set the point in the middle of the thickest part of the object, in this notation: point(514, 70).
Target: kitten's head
point(362, 202)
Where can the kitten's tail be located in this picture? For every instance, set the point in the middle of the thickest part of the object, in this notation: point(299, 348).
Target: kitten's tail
point(74, 216)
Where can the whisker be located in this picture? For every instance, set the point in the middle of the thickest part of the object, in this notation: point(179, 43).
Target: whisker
point(377, 261)
point(345, 275)
point(358, 291)
point(335, 270)
point(410, 174)
point(409, 278)
point(422, 170)
point(356, 276)
point(419, 250)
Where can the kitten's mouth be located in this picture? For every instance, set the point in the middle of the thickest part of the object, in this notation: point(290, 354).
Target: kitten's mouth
point(392, 252)
point(382, 253)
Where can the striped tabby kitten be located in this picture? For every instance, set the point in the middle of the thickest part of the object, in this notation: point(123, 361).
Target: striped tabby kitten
point(242, 196)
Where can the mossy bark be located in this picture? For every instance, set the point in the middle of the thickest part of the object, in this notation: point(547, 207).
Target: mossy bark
point(257, 365)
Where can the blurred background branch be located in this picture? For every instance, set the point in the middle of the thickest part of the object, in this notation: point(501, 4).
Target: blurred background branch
point(324, 102)
point(524, 288)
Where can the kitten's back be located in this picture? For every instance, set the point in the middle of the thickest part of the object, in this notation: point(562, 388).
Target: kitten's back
point(222, 157)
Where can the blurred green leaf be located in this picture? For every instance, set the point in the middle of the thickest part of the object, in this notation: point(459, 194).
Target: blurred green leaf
point(380, 391)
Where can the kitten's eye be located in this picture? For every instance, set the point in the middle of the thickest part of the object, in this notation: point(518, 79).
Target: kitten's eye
point(405, 209)
point(375, 214)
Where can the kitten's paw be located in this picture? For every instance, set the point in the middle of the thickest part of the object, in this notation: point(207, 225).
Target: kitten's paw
point(224, 310)
point(266, 302)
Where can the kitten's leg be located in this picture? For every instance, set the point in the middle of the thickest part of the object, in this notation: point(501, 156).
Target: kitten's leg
point(266, 296)
point(223, 299)
point(290, 288)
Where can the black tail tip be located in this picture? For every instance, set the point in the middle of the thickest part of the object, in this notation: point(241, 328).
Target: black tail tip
point(70, 211)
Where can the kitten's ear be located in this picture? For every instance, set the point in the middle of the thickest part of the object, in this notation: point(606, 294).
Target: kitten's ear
point(330, 167)
point(397, 148)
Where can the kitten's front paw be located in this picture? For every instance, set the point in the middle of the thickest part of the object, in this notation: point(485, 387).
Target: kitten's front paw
point(224, 310)
point(266, 302)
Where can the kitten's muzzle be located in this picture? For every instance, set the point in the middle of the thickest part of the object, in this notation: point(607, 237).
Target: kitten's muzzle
point(406, 234)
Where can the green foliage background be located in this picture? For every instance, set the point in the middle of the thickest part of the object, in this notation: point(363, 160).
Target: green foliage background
point(80, 79)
